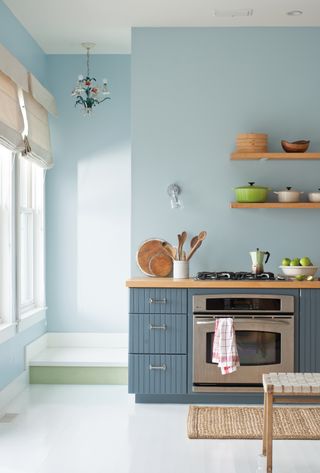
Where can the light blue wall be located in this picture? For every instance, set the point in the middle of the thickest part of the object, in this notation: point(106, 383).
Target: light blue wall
point(16, 39)
point(88, 201)
point(19, 42)
point(193, 90)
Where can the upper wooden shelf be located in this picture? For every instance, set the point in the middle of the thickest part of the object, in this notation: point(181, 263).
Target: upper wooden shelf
point(276, 205)
point(237, 156)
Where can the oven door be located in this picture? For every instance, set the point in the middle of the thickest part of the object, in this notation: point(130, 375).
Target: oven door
point(265, 344)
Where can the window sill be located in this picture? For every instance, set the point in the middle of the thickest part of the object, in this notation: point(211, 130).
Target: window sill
point(7, 331)
point(31, 317)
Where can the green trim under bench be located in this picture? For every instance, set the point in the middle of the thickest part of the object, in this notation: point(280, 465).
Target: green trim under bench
point(78, 375)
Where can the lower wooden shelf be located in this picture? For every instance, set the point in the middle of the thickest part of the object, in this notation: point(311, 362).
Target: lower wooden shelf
point(276, 205)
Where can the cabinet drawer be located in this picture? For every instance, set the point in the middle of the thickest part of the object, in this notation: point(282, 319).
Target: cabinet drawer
point(158, 333)
point(158, 374)
point(158, 301)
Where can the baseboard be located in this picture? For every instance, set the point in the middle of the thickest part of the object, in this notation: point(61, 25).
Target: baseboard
point(12, 390)
point(87, 340)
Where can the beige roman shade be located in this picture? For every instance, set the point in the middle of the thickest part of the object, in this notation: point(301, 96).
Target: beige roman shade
point(35, 106)
point(24, 107)
point(13, 76)
point(36, 132)
point(11, 121)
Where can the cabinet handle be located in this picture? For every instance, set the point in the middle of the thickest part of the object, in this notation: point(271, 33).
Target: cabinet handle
point(157, 327)
point(161, 367)
point(157, 301)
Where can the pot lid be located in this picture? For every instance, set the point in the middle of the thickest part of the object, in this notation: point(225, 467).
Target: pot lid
point(252, 186)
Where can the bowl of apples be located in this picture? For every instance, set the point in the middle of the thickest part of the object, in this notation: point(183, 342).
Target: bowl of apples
point(298, 268)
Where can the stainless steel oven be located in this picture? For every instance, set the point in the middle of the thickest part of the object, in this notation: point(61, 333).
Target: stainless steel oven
point(264, 326)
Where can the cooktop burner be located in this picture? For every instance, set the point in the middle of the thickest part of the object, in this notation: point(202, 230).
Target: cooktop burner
point(238, 276)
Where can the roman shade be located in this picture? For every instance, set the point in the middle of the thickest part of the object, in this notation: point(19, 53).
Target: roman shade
point(11, 121)
point(35, 106)
point(13, 76)
point(24, 107)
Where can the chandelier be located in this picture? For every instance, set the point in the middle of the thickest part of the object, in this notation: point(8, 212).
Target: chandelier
point(86, 91)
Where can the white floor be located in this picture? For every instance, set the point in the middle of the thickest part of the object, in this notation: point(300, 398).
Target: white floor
point(99, 429)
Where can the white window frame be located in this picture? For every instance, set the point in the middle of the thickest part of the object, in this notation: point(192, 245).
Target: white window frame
point(34, 310)
point(8, 326)
point(22, 316)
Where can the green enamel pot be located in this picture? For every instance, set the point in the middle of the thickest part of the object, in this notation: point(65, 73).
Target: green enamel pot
point(251, 193)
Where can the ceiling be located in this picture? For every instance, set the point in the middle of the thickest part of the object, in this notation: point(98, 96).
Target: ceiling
point(59, 26)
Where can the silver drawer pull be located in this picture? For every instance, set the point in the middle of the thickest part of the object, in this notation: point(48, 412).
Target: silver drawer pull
point(161, 367)
point(157, 301)
point(158, 327)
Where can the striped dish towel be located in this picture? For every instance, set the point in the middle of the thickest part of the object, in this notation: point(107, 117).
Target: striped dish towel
point(224, 349)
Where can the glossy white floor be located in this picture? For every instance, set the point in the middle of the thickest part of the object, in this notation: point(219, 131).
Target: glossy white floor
point(99, 429)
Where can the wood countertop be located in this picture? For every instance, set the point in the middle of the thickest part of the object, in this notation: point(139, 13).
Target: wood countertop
point(191, 283)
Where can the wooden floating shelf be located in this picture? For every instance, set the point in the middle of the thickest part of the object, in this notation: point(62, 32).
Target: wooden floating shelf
point(276, 205)
point(237, 156)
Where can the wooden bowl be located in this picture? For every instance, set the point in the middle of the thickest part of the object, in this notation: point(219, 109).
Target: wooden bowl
point(299, 146)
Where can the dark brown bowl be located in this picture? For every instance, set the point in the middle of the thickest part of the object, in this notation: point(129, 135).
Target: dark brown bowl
point(299, 146)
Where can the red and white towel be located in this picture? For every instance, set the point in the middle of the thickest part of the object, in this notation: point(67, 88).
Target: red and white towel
point(224, 349)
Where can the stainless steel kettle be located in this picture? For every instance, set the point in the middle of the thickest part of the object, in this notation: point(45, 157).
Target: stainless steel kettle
point(257, 258)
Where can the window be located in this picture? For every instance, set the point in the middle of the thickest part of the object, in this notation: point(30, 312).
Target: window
point(6, 237)
point(22, 279)
point(30, 237)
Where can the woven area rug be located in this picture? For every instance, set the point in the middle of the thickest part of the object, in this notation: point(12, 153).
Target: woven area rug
point(247, 423)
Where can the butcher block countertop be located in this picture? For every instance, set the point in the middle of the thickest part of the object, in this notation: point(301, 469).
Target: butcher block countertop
point(191, 283)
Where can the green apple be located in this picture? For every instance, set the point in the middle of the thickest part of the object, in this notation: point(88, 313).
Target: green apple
point(305, 261)
point(300, 277)
point(295, 262)
point(286, 262)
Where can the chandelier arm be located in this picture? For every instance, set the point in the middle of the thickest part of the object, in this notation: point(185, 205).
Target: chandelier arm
point(106, 98)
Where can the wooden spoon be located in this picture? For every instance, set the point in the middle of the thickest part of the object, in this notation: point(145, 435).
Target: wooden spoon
point(202, 235)
point(179, 247)
point(183, 238)
point(193, 241)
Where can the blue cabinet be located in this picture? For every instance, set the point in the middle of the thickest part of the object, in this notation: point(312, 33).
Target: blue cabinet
point(158, 341)
point(158, 374)
point(309, 330)
point(158, 333)
point(158, 301)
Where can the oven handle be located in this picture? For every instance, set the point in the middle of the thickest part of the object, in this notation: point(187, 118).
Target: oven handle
point(253, 319)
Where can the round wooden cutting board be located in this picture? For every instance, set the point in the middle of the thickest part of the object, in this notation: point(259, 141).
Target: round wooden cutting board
point(152, 258)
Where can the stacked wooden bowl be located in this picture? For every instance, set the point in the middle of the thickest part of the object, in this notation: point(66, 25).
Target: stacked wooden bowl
point(252, 142)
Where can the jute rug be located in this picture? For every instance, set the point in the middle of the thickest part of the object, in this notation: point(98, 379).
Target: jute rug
point(247, 423)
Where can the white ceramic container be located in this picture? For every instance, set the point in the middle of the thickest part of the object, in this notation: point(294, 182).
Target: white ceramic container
point(293, 271)
point(288, 195)
point(180, 269)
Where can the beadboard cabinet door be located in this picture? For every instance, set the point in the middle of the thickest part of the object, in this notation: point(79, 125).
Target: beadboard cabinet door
point(158, 333)
point(158, 374)
point(309, 331)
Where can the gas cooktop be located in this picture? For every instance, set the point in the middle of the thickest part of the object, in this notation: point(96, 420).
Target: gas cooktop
point(235, 276)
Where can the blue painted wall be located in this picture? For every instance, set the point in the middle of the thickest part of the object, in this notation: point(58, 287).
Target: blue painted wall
point(88, 200)
point(193, 90)
point(20, 43)
point(17, 40)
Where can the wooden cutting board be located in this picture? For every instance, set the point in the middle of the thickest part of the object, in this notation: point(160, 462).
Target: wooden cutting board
point(152, 258)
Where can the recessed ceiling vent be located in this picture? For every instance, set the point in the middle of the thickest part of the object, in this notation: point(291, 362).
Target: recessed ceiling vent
point(233, 13)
